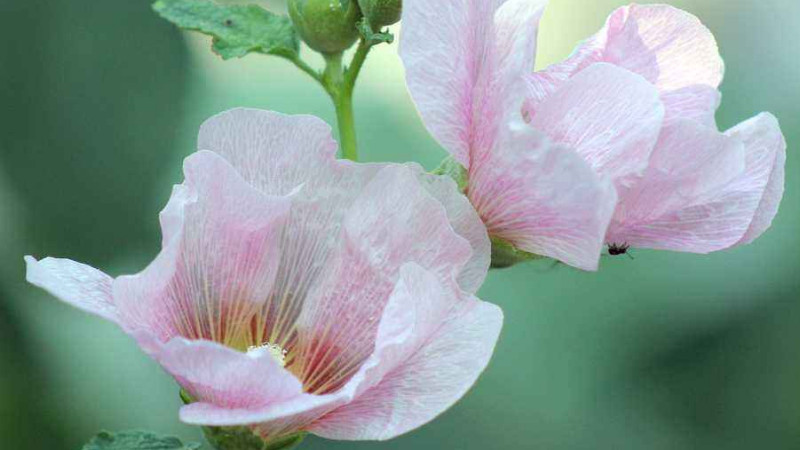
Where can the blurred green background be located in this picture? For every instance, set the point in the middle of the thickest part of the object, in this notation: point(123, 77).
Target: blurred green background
point(100, 102)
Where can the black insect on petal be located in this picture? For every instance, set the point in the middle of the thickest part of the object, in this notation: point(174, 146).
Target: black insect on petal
point(618, 249)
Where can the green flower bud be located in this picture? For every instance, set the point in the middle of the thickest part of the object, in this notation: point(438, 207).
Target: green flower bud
point(327, 26)
point(381, 13)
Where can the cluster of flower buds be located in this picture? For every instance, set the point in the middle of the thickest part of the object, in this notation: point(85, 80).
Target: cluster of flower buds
point(331, 26)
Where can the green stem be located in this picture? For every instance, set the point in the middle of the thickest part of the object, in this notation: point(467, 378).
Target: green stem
point(357, 63)
point(344, 104)
point(302, 65)
point(334, 74)
point(347, 124)
point(340, 89)
point(340, 84)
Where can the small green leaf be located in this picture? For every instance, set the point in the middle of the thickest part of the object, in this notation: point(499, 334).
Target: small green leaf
point(136, 440)
point(237, 29)
point(372, 37)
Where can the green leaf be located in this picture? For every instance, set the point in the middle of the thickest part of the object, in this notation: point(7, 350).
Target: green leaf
point(237, 29)
point(136, 440)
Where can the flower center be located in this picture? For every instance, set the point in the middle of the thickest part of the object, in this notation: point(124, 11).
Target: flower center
point(275, 350)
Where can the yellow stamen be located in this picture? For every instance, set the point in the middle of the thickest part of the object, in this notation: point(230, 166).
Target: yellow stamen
point(275, 350)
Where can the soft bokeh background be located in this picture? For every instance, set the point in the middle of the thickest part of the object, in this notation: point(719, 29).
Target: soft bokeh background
point(99, 103)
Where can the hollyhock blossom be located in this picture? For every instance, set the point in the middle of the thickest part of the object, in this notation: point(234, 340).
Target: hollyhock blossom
point(614, 145)
point(465, 61)
point(295, 292)
point(702, 190)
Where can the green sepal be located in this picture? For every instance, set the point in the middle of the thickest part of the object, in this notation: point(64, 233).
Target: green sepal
point(453, 169)
point(505, 255)
point(286, 443)
point(186, 398)
point(243, 438)
point(381, 13)
point(370, 36)
point(237, 29)
point(136, 440)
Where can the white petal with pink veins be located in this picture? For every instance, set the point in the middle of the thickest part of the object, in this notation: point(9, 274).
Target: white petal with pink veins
point(706, 191)
point(610, 116)
point(691, 167)
point(543, 198)
point(395, 221)
point(765, 148)
point(431, 346)
point(220, 266)
point(464, 61)
point(669, 47)
point(77, 284)
point(467, 223)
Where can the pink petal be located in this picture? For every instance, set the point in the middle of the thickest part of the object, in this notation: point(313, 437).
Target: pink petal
point(231, 388)
point(707, 192)
point(766, 159)
point(675, 206)
point(396, 220)
point(669, 47)
point(77, 284)
point(393, 222)
point(543, 198)
point(172, 216)
point(218, 375)
point(464, 61)
point(220, 266)
point(274, 152)
point(610, 116)
point(431, 347)
point(697, 103)
point(282, 155)
point(467, 223)
point(270, 422)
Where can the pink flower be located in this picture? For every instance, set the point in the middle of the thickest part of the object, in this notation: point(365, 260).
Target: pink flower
point(616, 145)
point(701, 190)
point(295, 292)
